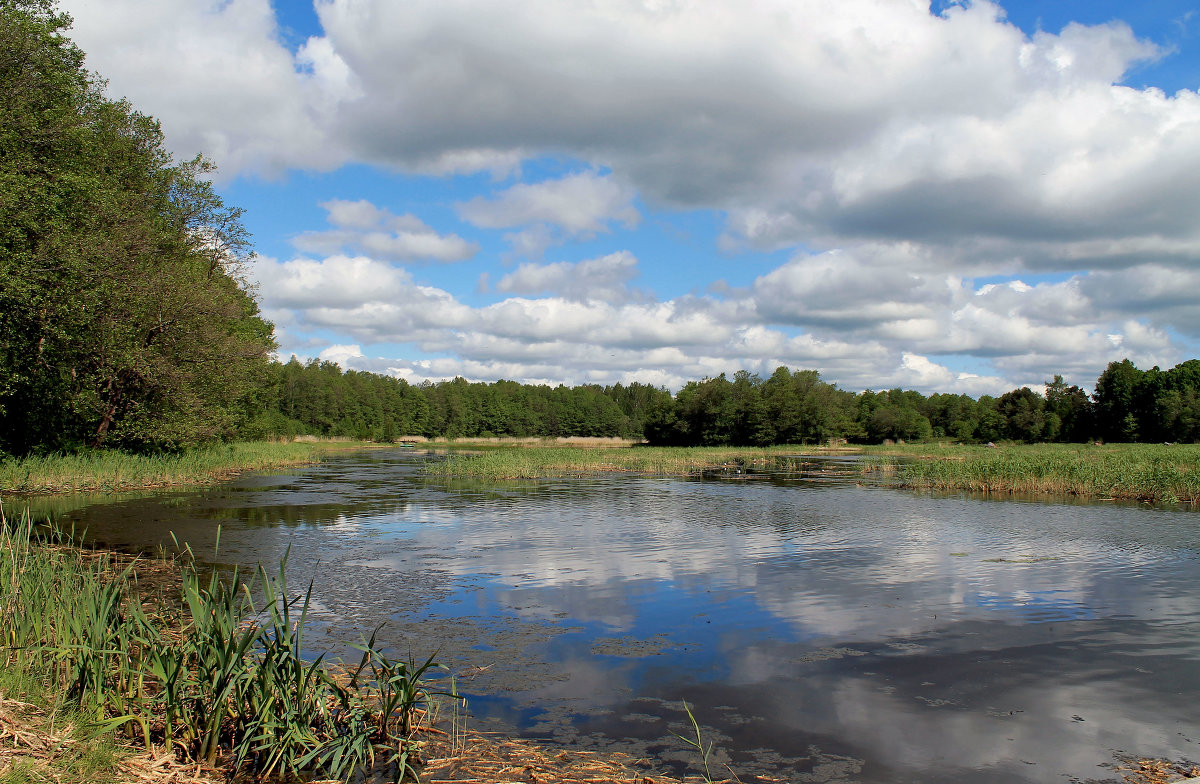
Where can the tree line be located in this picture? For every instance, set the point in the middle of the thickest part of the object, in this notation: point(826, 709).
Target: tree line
point(788, 407)
point(798, 407)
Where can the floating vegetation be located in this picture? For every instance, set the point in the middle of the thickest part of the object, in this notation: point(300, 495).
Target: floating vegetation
point(1024, 559)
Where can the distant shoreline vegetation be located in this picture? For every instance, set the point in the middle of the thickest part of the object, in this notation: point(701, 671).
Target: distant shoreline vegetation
point(788, 407)
point(1144, 472)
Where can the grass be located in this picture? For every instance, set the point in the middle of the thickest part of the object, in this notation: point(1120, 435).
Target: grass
point(547, 462)
point(1144, 472)
point(112, 471)
point(213, 677)
point(1147, 472)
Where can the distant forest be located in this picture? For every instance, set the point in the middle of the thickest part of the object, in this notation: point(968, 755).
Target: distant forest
point(789, 407)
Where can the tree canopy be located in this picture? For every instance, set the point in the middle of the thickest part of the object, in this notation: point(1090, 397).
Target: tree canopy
point(125, 316)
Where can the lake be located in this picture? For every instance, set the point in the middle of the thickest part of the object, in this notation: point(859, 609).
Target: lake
point(821, 631)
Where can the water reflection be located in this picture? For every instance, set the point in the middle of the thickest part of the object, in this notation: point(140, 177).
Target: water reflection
point(824, 631)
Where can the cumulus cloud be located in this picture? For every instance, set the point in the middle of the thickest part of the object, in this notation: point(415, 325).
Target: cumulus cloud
point(217, 76)
point(606, 278)
point(360, 225)
point(577, 205)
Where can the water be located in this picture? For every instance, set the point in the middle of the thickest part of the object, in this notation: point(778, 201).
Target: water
point(820, 631)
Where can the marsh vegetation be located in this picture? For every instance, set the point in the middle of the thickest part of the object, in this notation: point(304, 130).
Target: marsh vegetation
point(1143, 472)
point(216, 672)
point(1147, 472)
point(113, 471)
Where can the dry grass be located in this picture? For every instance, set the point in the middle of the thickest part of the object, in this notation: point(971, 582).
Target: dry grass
point(498, 759)
point(1157, 771)
point(36, 747)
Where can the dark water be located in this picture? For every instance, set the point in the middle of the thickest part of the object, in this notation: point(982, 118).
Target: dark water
point(821, 631)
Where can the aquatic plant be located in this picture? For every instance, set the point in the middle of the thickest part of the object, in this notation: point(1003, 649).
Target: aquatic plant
point(1146, 472)
point(697, 743)
point(546, 462)
point(214, 676)
point(110, 470)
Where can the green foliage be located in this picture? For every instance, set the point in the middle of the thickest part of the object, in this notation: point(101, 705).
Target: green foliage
point(125, 319)
point(318, 398)
point(791, 406)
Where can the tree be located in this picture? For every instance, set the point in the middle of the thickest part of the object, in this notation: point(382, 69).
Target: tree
point(1024, 413)
point(1073, 409)
point(1114, 401)
point(125, 318)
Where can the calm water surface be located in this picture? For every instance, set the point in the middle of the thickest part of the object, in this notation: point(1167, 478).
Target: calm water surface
point(822, 631)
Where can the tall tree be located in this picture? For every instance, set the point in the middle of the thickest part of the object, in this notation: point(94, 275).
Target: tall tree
point(1115, 397)
point(125, 317)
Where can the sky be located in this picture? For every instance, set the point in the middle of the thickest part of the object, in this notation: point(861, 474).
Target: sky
point(957, 197)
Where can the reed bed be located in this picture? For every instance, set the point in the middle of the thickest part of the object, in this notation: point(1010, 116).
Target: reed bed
point(111, 471)
point(1156, 473)
point(211, 678)
point(550, 462)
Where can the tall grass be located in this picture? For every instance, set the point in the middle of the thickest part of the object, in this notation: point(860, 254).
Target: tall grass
point(110, 471)
point(543, 462)
point(1147, 472)
point(1150, 472)
point(214, 676)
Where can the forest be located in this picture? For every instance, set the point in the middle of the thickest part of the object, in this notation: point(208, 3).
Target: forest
point(789, 407)
point(127, 322)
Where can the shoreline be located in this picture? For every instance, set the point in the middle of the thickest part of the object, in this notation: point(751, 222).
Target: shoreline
point(61, 738)
point(113, 472)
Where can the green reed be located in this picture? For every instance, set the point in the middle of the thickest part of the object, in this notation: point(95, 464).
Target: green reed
point(109, 470)
point(546, 462)
point(1148, 472)
point(216, 677)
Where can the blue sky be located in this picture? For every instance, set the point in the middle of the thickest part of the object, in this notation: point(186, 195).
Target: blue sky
point(963, 198)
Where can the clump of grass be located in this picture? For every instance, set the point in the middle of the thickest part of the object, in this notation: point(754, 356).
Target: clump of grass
point(109, 470)
point(1146, 472)
point(219, 677)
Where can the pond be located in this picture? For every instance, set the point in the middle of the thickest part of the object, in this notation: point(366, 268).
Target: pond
point(819, 630)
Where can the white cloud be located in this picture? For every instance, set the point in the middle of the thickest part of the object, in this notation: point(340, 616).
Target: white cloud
point(841, 121)
point(605, 279)
point(217, 77)
point(364, 227)
point(577, 205)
